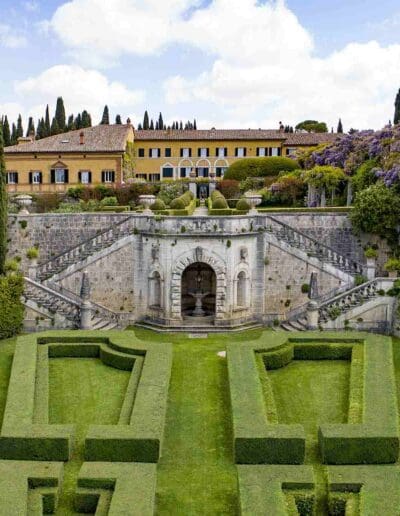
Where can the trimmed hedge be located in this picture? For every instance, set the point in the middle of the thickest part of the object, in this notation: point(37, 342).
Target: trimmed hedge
point(261, 490)
point(26, 434)
point(26, 486)
point(181, 202)
point(378, 489)
point(12, 310)
point(327, 209)
point(158, 205)
point(260, 167)
point(242, 205)
point(135, 494)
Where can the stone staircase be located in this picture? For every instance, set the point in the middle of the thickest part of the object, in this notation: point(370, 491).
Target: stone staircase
point(82, 251)
point(313, 247)
point(56, 300)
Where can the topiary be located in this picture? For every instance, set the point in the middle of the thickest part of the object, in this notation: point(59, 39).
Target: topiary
point(259, 167)
point(178, 204)
point(220, 204)
point(242, 205)
point(158, 205)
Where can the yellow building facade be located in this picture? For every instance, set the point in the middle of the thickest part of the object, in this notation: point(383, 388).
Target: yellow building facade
point(95, 155)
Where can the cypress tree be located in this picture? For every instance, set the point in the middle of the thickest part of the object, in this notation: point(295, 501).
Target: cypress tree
point(195, 125)
point(340, 127)
point(160, 122)
point(6, 132)
point(71, 123)
point(31, 127)
point(60, 115)
point(181, 126)
point(86, 119)
point(146, 124)
point(47, 127)
point(139, 127)
point(78, 121)
point(14, 136)
point(40, 133)
point(396, 119)
point(118, 120)
point(3, 209)
point(157, 126)
point(151, 125)
point(20, 129)
point(54, 127)
point(105, 120)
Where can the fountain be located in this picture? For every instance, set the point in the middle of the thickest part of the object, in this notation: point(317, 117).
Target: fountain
point(198, 295)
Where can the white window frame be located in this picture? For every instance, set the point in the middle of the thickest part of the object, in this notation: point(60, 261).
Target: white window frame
point(57, 175)
point(274, 152)
point(85, 174)
point(203, 152)
point(36, 177)
point(291, 151)
point(186, 152)
point(221, 152)
point(108, 176)
point(12, 177)
point(154, 153)
point(262, 152)
point(240, 152)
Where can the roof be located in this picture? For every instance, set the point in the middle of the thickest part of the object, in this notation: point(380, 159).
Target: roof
point(236, 134)
point(100, 138)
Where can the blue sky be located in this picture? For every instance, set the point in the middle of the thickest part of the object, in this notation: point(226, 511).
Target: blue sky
point(229, 63)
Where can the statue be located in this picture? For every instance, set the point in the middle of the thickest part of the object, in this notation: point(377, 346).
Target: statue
point(243, 254)
point(198, 253)
point(313, 293)
point(155, 252)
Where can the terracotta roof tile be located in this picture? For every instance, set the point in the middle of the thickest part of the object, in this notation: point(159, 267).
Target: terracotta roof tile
point(101, 138)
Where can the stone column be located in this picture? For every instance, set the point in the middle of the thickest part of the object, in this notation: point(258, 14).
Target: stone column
point(192, 184)
point(312, 315)
point(323, 197)
point(370, 269)
point(32, 269)
point(86, 306)
point(349, 193)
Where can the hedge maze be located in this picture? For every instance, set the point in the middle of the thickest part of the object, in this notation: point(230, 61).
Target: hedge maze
point(353, 450)
point(121, 459)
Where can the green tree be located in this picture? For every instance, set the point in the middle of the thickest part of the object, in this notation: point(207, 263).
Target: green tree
point(6, 132)
point(78, 121)
point(31, 127)
point(71, 124)
point(20, 129)
point(3, 209)
point(118, 120)
point(105, 120)
point(312, 126)
point(86, 119)
point(151, 125)
point(14, 136)
point(60, 115)
point(146, 123)
point(40, 133)
point(160, 122)
point(54, 127)
point(377, 210)
point(128, 164)
point(396, 119)
point(340, 127)
point(47, 127)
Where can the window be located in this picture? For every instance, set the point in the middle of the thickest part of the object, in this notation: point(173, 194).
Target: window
point(141, 176)
point(155, 153)
point(141, 153)
point(240, 152)
point(85, 177)
point(275, 151)
point(185, 171)
point(220, 171)
point(108, 176)
point(203, 152)
point(153, 177)
point(12, 178)
point(291, 151)
point(168, 153)
point(202, 171)
point(262, 152)
point(186, 153)
point(35, 177)
point(60, 176)
point(222, 152)
point(168, 172)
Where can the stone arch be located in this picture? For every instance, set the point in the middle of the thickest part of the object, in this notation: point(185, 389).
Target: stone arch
point(191, 257)
point(221, 162)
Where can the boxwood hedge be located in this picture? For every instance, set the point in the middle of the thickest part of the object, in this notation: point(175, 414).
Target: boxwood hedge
point(259, 167)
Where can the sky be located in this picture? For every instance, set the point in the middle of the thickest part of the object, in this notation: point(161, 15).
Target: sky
point(227, 63)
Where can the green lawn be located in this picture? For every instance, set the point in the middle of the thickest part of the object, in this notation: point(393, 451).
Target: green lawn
point(196, 475)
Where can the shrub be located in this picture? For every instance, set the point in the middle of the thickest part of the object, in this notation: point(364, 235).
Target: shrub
point(47, 202)
point(159, 205)
point(259, 167)
point(392, 265)
point(109, 201)
point(359, 280)
point(32, 253)
point(178, 204)
point(242, 205)
point(12, 310)
point(76, 192)
point(371, 253)
point(220, 204)
point(305, 288)
point(103, 191)
point(11, 265)
point(229, 188)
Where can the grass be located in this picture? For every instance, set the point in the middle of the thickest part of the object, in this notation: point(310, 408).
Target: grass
point(196, 475)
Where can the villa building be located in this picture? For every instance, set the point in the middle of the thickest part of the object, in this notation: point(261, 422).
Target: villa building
point(95, 155)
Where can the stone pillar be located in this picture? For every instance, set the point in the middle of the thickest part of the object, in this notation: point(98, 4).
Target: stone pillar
point(86, 306)
point(32, 269)
point(323, 197)
point(349, 193)
point(192, 184)
point(312, 315)
point(370, 269)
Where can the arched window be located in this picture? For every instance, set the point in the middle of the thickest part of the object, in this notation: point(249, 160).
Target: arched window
point(241, 289)
point(155, 290)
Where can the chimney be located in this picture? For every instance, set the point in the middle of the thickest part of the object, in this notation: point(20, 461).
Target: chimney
point(21, 140)
point(81, 138)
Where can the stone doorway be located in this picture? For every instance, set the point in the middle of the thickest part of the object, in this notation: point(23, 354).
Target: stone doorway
point(199, 285)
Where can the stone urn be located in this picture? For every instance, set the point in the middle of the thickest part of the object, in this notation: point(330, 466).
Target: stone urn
point(147, 201)
point(254, 199)
point(23, 202)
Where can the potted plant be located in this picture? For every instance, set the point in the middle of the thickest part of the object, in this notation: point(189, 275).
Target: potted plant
point(393, 267)
point(371, 255)
point(32, 254)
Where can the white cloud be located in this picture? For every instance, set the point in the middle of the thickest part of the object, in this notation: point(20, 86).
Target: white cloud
point(264, 68)
point(11, 38)
point(80, 89)
point(31, 5)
